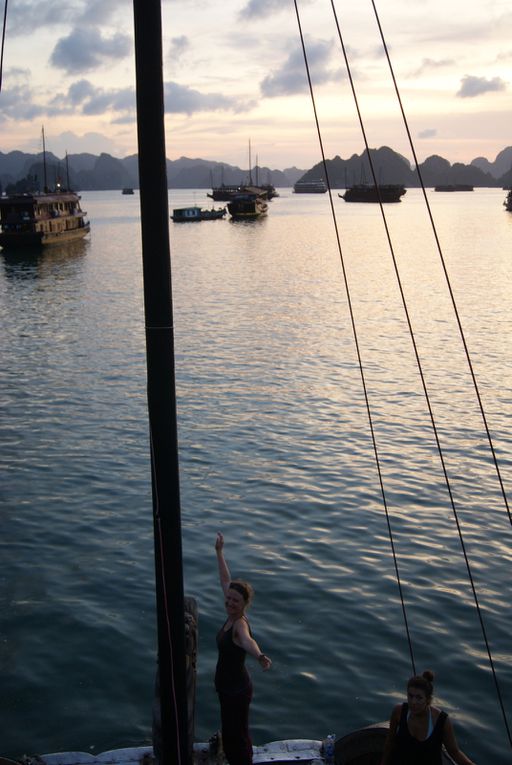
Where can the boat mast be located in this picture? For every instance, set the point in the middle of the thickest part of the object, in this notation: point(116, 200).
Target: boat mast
point(45, 181)
point(250, 172)
point(161, 381)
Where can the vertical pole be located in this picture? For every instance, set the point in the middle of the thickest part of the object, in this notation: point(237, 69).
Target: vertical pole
point(161, 381)
point(45, 180)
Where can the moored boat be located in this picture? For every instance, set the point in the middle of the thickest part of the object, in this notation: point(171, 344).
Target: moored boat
point(41, 219)
point(127, 190)
point(508, 202)
point(310, 187)
point(454, 187)
point(365, 192)
point(250, 203)
point(224, 193)
point(195, 214)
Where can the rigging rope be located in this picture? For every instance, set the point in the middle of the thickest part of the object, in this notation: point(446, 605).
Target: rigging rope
point(3, 44)
point(443, 263)
point(411, 332)
point(459, 323)
point(356, 342)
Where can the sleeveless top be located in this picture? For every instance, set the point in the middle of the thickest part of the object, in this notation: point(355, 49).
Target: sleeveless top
point(231, 675)
point(410, 751)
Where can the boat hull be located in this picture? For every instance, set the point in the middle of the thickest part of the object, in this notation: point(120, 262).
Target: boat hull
point(245, 207)
point(360, 747)
point(195, 214)
point(363, 193)
point(37, 220)
point(38, 239)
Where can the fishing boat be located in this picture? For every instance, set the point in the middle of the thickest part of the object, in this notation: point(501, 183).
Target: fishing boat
point(248, 204)
point(508, 202)
point(366, 192)
point(310, 187)
point(127, 191)
point(28, 220)
point(196, 214)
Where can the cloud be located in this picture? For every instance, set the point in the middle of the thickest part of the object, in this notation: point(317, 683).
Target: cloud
point(178, 48)
point(50, 13)
point(476, 86)
point(83, 97)
point(292, 79)
point(86, 49)
point(427, 133)
point(264, 8)
point(183, 100)
point(428, 64)
point(90, 142)
point(80, 91)
point(17, 97)
point(98, 12)
point(55, 13)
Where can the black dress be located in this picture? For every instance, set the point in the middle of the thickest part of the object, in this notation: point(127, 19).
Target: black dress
point(234, 688)
point(410, 751)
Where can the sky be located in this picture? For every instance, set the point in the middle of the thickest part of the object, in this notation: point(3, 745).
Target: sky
point(234, 72)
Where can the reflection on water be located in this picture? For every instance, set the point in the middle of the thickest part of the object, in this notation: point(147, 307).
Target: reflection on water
point(275, 451)
point(30, 262)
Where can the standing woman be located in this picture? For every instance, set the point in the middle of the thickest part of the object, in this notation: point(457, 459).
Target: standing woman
point(417, 730)
point(232, 680)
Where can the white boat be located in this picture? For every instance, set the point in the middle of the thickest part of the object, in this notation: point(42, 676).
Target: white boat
point(310, 187)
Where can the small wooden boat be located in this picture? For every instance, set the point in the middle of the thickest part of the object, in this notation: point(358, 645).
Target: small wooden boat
point(195, 214)
point(127, 190)
point(28, 220)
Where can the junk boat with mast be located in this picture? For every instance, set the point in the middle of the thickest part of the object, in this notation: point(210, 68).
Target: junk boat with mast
point(42, 218)
point(366, 192)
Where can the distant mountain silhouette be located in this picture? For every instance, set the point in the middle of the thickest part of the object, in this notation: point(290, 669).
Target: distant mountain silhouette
point(501, 166)
point(90, 172)
point(391, 167)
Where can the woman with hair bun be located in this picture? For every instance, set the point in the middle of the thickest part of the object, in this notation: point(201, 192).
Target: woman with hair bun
point(232, 680)
point(417, 730)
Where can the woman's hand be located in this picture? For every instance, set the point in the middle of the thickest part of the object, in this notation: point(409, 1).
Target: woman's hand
point(264, 662)
point(219, 542)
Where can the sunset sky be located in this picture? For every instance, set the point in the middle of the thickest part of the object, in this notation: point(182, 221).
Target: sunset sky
point(234, 71)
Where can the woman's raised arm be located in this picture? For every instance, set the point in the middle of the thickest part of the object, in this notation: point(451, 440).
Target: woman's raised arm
point(224, 575)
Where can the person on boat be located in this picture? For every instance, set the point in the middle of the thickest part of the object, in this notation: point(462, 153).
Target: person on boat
point(232, 680)
point(417, 730)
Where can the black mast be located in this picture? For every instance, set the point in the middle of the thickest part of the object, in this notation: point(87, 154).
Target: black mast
point(161, 380)
point(45, 188)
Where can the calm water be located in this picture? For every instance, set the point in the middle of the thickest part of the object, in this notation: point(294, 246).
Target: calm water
point(275, 452)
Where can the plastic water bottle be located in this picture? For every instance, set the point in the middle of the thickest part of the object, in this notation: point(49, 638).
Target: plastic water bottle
point(329, 749)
